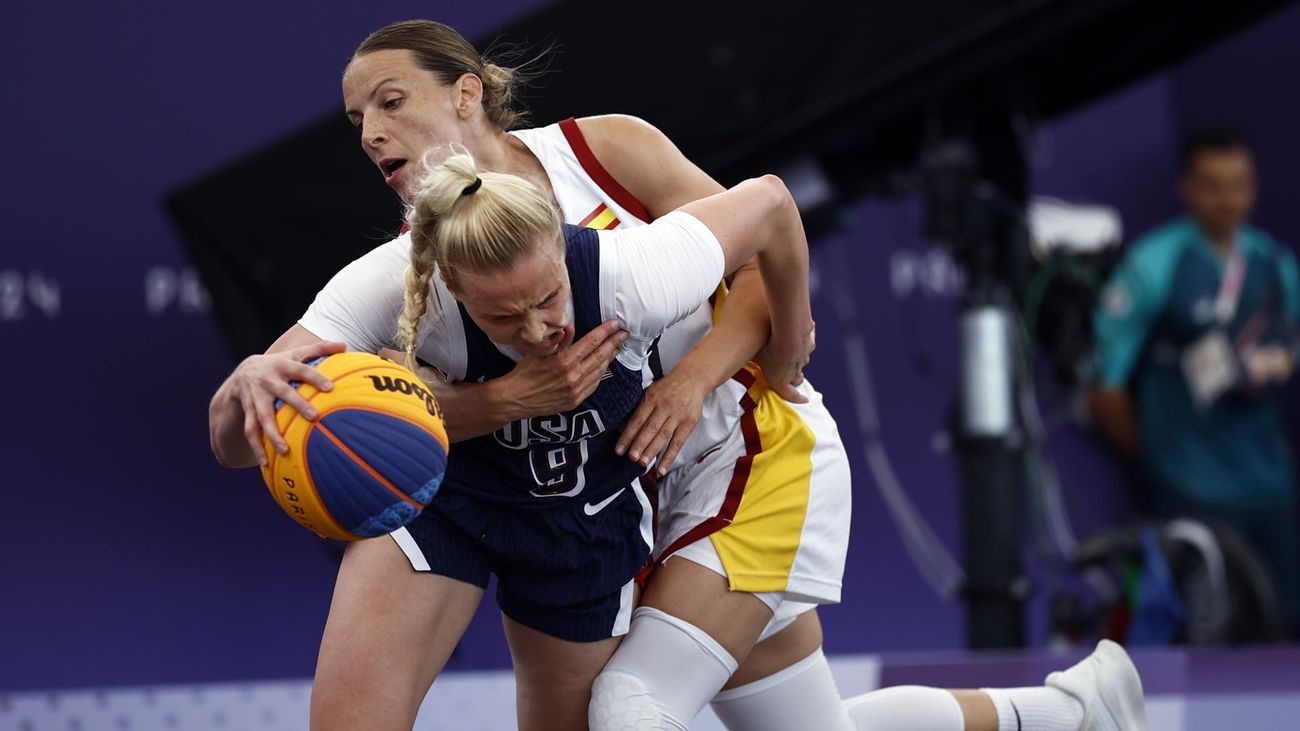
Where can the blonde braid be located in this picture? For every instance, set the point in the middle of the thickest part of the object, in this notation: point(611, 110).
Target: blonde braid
point(423, 219)
point(418, 274)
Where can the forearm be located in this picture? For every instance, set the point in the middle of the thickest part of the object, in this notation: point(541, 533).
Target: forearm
point(739, 333)
point(475, 409)
point(783, 262)
point(226, 430)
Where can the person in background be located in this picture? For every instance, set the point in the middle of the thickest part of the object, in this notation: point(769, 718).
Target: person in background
point(1195, 338)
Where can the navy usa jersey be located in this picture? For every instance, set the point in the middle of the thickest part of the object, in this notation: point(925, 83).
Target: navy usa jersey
point(536, 461)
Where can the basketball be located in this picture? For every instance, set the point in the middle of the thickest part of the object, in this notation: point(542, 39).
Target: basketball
point(370, 461)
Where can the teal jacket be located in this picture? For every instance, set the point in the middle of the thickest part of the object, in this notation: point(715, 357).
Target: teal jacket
point(1160, 300)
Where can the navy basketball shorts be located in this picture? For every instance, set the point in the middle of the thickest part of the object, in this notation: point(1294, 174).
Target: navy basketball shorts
point(567, 570)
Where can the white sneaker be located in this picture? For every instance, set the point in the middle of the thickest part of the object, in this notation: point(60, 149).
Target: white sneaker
point(1108, 687)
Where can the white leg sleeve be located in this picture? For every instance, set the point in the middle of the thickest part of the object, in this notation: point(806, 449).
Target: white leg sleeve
point(660, 677)
point(802, 696)
point(906, 708)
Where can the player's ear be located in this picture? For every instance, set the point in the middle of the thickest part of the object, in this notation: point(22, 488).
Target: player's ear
point(469, 94)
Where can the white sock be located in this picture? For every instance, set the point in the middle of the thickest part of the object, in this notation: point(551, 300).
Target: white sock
point(800, 696)
point(906, 708)
point(1035, 709)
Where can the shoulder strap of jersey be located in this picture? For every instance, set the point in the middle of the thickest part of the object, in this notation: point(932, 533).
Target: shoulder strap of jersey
point(573, 135)
point(582, 257)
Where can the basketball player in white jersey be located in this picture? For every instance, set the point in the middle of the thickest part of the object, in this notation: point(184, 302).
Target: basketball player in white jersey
point(399, 120)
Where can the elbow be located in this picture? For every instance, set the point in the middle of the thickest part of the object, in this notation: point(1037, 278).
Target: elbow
point(778, 203)
point(777, 195)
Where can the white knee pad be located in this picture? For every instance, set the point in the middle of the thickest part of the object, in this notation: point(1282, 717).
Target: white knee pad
point(660, 677)
point(621, 702)
point(801, 696)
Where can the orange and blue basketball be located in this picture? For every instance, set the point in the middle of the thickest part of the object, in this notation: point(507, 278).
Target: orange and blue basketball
point(370, 461)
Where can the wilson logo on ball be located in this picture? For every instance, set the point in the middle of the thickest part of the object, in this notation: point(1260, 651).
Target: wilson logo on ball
point(404, 387)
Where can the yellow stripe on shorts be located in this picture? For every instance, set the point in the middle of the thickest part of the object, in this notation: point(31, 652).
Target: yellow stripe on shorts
point(758, 548)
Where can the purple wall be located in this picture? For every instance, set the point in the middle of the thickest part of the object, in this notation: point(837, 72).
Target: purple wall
point(128, 556)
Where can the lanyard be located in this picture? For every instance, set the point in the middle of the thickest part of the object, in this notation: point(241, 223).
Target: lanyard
point(1234, 274)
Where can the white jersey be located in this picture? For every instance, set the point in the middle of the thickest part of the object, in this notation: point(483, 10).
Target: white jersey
point(650, 278)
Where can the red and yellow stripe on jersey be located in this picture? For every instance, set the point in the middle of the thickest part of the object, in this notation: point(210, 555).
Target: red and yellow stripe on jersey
point(602, 218)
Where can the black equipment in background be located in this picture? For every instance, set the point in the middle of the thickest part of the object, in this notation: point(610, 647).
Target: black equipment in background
point(1226, 593)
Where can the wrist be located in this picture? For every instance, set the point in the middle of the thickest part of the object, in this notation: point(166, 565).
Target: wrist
point(701, 374)
point(790, 334)
point(501, 400)
point(704, 380)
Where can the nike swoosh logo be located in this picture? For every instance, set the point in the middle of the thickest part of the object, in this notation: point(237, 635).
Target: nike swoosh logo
point(590, 509)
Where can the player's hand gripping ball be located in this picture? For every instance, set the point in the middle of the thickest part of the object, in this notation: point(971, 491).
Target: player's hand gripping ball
point(372, 459)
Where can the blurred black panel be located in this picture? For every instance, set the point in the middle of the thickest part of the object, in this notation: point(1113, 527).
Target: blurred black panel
point(268, 231)
point(742, 88)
